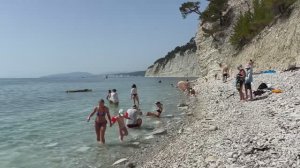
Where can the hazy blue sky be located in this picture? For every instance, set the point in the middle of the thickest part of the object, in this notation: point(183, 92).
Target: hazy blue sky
point(41, 37)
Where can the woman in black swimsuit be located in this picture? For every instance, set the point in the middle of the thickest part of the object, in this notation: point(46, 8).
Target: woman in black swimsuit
point(158, 111)
point(100, 121)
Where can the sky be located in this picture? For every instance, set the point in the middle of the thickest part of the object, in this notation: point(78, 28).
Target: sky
point(43, 37)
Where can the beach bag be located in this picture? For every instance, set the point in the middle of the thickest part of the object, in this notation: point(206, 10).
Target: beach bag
point(258, 92)
point(262, 86)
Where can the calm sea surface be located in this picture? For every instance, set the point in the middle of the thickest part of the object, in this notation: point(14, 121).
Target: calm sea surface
point(42, 126)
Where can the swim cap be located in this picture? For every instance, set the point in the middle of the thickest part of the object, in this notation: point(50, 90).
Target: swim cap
point(121, 112)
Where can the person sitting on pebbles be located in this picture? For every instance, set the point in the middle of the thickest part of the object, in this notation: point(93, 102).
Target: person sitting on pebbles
point(134, 121)
point(158, 111)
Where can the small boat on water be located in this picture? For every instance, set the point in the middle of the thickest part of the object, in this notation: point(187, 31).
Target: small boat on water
point(80, 90)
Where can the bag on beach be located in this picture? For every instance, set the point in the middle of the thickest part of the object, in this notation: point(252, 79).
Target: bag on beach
point(262, 86)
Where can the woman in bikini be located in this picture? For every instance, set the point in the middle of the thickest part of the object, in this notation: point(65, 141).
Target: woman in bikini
point(158, 111)
point(100, 121)
point(134, 95)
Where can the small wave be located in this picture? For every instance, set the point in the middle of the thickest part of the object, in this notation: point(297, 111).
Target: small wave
point(52, 145)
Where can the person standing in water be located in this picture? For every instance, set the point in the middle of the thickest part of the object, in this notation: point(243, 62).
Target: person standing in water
point(108, 95)
point(158, 111)
point(134, 95)
point(122, 127)
point(114, 98)
point(100, 121)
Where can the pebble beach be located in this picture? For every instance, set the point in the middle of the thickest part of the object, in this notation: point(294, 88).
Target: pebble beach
point(221, 131)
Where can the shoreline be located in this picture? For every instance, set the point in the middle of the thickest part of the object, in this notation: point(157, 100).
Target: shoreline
point(220, 131)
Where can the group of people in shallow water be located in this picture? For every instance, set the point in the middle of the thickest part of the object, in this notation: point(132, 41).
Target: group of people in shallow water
point(131, 115)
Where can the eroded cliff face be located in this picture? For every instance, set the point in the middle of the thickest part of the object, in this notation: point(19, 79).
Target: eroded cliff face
point(276, 47)
point(185, 65)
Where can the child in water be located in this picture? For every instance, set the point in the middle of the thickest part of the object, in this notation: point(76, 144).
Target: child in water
point(120, 119)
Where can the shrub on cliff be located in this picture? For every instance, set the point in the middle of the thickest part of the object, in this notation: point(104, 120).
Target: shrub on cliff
point(242, 32)
point(190, 46)
point(189, 7)
point(250, 24)
point(213, 13)
point(279, 6)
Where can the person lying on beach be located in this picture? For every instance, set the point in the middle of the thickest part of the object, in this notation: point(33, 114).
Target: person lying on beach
point(122, 127)
point(100, 121)
point(134, 121)
point(158, 111)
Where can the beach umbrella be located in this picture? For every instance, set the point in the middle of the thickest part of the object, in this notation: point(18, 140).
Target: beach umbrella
point(182, 85)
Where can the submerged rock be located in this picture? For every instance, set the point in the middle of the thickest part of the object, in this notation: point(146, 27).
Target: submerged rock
point(120, 161)
point(130, 165)
point(159, 131)
point(182, 105)
point(149, 137)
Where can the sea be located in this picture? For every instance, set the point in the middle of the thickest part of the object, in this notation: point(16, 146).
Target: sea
point(43, 126)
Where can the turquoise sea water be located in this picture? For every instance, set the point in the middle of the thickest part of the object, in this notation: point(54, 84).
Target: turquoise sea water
point(42, 126)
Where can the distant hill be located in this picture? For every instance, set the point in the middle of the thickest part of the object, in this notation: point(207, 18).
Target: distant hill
point(88, 75)
point(136, 73)
point(70, 75)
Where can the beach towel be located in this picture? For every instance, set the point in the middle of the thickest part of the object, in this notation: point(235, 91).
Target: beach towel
point(276, 91)
point(268, 71)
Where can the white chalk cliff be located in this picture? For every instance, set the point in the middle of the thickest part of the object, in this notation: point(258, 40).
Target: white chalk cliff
point(276, 47)
point(180, 66)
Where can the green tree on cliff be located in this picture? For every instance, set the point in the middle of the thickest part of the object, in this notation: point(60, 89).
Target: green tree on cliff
point(242, 31)
point(189, 7)
point(279, 6)
point(262, 15)
point(252, 23)
point(214, 11)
